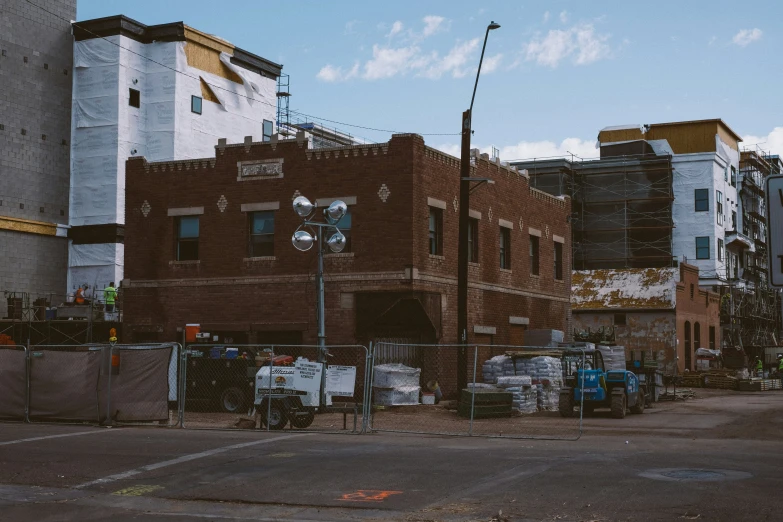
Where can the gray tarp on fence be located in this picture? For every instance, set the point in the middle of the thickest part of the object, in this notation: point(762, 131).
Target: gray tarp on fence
point(13, 383)
point(140, 391)
point(64, 384)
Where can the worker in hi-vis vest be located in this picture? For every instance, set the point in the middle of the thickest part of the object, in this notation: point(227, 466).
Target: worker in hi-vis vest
point(780, 367)
point(759, 367)
point(109, 296)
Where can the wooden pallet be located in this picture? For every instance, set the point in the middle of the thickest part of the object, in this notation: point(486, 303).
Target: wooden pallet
point(720, 381)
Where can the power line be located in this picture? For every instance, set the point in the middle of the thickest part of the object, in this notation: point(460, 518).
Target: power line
point(230, 91)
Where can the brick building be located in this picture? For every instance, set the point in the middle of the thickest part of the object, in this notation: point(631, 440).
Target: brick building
point(209, 241)
point(660, 311)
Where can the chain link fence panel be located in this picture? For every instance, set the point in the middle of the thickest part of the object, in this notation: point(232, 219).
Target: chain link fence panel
point(103, 384)
point(275, 387)
point(511, 391)
point(13, 382)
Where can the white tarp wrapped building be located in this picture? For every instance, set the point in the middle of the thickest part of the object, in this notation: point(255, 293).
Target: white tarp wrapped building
point(165, 92)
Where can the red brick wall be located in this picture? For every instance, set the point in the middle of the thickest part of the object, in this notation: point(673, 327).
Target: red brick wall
point(389, 238)
point(703, 308)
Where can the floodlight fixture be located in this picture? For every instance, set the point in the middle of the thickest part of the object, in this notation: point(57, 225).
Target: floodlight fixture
point(336, 242)
point(336, 211)
point(303, 206)
point(302, 240)
point(492, 26)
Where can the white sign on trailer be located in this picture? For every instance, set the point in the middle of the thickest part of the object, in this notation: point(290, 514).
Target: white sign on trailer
point(774, 197)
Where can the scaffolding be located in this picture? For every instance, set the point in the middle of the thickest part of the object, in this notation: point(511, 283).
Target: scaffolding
point(621, 207)
point(34, 319)
point(750, 308)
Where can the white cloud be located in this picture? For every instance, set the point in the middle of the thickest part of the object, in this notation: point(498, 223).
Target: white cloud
point(491, 63)
point(581, 43)
point(432, 24)
point(747, 36)
point(396, 29)
point(454, 62)
point(525, 150)
point(350, 26)
point(772, 142)
point(564, 16)
point(546, 16)
point(712, 40)
point(330, 73)
point(387, 61)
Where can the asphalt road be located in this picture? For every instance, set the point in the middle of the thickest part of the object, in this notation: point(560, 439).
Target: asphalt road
point(715, 458)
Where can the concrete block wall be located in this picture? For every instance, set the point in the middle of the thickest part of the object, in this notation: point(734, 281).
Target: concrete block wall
point(36, 59)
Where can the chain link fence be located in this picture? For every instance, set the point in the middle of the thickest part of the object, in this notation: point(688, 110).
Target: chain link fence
point(91, 384)
point(511, 391)
point(274, 387)
point(14, 389)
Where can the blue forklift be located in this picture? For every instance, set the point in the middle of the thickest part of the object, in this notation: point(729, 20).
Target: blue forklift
point(586, 379)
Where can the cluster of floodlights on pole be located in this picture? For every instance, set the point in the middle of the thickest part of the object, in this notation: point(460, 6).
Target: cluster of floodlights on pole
point(311, 232)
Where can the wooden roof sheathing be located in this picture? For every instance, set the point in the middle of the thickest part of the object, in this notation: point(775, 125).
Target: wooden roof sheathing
point(629, 288)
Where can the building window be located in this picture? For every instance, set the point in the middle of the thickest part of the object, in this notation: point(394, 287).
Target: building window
point(559, 261)
point(703, 247)
point(473, 240)
point(702, 199)
point(534, 255)
point(135, 98)
point(505, 248)
point(720, 250)
point(734, 220)
point(719, 205)
point(712, 337)
point(262, 234)
point(696, 336)
point(187, 238)
point(691, 291)
point(268, 129)
point(345, 224)
point(436, 231)
point(619, 319)
point(733, 176)
point(195, 104)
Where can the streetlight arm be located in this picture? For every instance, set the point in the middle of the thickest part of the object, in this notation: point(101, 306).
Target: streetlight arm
point(478, 73)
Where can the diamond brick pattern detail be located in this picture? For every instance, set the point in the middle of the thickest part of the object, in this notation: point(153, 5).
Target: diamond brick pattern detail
point(546, 231)
point(222, 203)
point(384, 192)
point(521, 223)
point(490, 214)
point(145, 208)
point(455, 204)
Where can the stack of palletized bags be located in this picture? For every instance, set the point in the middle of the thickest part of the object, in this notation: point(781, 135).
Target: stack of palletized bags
point(396, 385)
point(498, 366)
point(546, 374)
point(525, 397)
point(614, 357)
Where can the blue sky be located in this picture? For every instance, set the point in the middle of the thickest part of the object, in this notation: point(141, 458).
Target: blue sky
point(554, 74)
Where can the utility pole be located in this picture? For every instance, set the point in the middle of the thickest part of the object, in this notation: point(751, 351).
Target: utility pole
point(464, 216)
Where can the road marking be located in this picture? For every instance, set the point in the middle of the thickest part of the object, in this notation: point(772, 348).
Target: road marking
point(33, 439)
point(281, 455)
point(368, 495)
point(137, 491)
point(180, 460)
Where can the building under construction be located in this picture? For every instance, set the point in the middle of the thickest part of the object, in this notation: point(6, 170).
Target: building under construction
point(668, 193)
point(621, 205)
